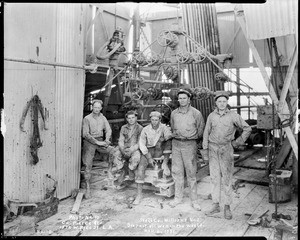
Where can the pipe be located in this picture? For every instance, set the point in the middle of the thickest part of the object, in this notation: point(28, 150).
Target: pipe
point(55, 64)
point(245, 106)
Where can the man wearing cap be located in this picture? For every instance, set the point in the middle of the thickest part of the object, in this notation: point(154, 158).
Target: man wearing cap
point(155, 144)
point(127, 156)
point(218, 143)
point(92, 131)
point(187, 126)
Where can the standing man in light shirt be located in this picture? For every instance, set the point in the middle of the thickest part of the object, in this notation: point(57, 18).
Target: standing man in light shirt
point(155, 144)
point(218, 143)
point(187, 126)
point(92, 131)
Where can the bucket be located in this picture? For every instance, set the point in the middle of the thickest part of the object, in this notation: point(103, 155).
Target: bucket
point(283, 186)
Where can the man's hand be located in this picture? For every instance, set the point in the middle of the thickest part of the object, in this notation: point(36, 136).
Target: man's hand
point(102, 143)
point(108, 142)
point(127, 152)
point(204, 154)
point(234, 144)
point(150, 159)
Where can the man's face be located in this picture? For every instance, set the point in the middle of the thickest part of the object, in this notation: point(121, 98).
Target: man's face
point(221, 103)
point(97, 107)
point(183, 99)
point(131, 119)
point(155, 121)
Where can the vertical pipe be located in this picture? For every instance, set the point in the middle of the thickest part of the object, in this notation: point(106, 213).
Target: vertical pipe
point(199, 74)
point(238, 95)
point(206, 66)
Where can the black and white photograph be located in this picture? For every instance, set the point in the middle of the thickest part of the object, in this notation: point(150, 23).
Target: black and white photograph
point(150, 119)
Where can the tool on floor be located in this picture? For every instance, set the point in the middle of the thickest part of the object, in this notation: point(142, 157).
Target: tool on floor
point(281, 216)
point(255, 219)
point(77, 203)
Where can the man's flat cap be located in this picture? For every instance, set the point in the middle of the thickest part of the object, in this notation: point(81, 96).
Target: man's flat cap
point(221, 94)
point(185, 92)
point(155, 114)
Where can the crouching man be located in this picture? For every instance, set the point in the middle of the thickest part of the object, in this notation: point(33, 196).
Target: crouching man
point(155, 144)
point(127, 155)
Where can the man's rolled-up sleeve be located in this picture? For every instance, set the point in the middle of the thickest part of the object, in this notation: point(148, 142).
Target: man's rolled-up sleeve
point(206, 133)
point(143, 142)
point(86, 132)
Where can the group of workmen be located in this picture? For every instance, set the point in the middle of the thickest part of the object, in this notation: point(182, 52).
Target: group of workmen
point(141, 147)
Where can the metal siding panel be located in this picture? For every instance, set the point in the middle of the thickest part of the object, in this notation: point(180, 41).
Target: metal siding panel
point(69, 98)
point(23, 181)
point(272, 19)
point(60, 89)
point(239, 48)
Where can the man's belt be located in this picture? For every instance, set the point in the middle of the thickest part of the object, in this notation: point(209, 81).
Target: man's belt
point(184, 139)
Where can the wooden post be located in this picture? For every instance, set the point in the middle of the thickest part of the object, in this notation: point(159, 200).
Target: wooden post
point(241, 19)
point(288, 79)
point(108, 89)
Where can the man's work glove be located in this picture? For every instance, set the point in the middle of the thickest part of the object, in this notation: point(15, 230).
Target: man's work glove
point(149, 158)
point(204, 154)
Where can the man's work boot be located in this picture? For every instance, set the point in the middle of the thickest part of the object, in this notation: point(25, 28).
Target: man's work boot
point(130, 176)
point(196, 205)
point(175, 202)
point(139, 194)
point(121, 177)
point(227, 212)
point(215, 209)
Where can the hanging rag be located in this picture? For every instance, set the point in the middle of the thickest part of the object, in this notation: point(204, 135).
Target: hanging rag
point(35, 141)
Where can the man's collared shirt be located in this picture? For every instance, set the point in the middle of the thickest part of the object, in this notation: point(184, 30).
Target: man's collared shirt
point(187, 125)
point(220, 129)
point(93, 127)
point(129, 136)
point(149, 136)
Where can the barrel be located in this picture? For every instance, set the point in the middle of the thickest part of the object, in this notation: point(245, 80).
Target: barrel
point(283, 186)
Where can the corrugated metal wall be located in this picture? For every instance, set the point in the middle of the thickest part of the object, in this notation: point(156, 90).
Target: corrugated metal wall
point(69, 96)
point(232, 40)
point(53, 33)
point(274, 18)
point(200, 22)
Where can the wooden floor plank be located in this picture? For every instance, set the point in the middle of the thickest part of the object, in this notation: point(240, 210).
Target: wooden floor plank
point(255, 176)
point(252, 161)
point(259, 231)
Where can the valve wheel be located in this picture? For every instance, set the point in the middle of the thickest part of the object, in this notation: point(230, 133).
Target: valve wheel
point(167, 38)
point(137, 94)
point(138, 58)
point(165, 111)
point(182, 57)
point(152, 57)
